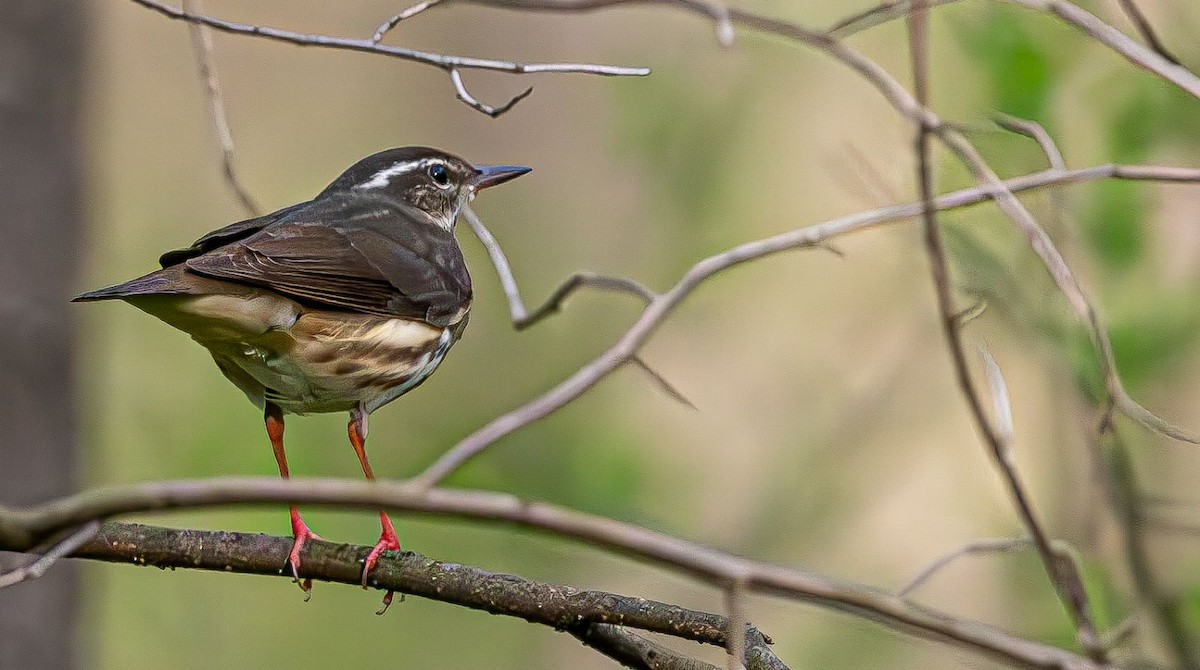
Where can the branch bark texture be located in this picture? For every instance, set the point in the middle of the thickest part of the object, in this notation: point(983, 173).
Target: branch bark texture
point(599, 619)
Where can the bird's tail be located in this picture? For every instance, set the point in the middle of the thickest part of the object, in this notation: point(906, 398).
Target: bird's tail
point(156, 283)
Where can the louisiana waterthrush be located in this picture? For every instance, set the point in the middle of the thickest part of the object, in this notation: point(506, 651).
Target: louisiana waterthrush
point(341, 303)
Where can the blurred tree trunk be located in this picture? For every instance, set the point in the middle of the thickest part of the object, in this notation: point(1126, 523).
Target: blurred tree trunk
point(41, 82)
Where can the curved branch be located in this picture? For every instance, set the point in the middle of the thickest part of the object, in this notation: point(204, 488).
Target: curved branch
point(461, 92)
point(23, 528)
point(521, 317)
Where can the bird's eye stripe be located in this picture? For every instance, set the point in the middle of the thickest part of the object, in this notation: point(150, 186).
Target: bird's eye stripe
point(384, 176)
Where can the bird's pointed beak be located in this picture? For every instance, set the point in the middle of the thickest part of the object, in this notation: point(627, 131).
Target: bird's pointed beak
point(492, 175)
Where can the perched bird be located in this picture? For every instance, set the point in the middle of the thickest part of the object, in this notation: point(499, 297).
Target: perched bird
point(342, 303)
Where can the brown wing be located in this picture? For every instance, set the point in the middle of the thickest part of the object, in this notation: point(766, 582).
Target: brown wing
point(222, 236)
point(376, 260)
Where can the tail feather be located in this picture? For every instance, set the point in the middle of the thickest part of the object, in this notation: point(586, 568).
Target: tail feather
point(156, 283)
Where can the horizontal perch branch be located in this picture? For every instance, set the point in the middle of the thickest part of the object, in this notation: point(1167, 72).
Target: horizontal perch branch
point(563, 608)
point(21, 528)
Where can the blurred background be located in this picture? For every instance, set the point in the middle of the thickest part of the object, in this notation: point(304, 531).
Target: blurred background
point(828, 433)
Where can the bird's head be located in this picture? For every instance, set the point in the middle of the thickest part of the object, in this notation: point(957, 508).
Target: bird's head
point(433, 181)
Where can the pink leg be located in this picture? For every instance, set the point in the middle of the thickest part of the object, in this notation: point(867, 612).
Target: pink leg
point(387, 538)
point(300, 530)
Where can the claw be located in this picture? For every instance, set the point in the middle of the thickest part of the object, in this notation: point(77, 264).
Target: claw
point(387, 542)
point(302, 533)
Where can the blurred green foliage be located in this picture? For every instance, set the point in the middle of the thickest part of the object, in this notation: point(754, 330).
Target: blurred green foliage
point(1021, 58)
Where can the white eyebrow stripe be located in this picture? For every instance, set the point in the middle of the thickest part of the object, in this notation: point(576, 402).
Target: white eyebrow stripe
point(384, 176)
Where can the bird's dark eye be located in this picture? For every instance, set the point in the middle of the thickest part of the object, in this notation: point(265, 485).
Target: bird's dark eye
point(439, 174)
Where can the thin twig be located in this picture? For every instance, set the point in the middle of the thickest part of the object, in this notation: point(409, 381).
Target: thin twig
point(919, 114)
point(1145, 30)
point(662, 306)
point(997, 433)
point(1121, 633)
point(1054, 156)
point(1067, 284)
point(1165, 610)
point(895, 9)
point(575, 282)
point(1154, 58)
point(522, 318)
point(203, 47)
point(460, 90)
point(21, 528)
point(661, 381)
point(987, 546)
point(65, 547)
point(1037, 133)
point(1142, 56)
point(1039, 241)
point(877, 15)
point(367, 46)
point(392, 22)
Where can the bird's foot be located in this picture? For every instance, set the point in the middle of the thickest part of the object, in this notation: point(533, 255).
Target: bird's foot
point(302, 533)
point(387, 542)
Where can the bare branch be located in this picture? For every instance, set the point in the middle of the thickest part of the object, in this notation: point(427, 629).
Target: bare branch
point(1054, 157)
point(555, 606)
point(1121, 633)
point(1066, 11)
point(1066, 579)
point(522, 319)
point(368, 46)
point(877, 15)
point(516, 306)
point(575, 282)
point(203, 47)
point(662, 306)
point(1039, 241)
point(1065, 279)
point(1141, 56)
point(460, 90)
point(387, 26)
point(65, 547)
point(997, 545)
point(907, 105)
point(1145, 30)
point(1034, 131)
point(1166, 610)
point(1155, 58)
point(661, 382)
point(21, 528)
